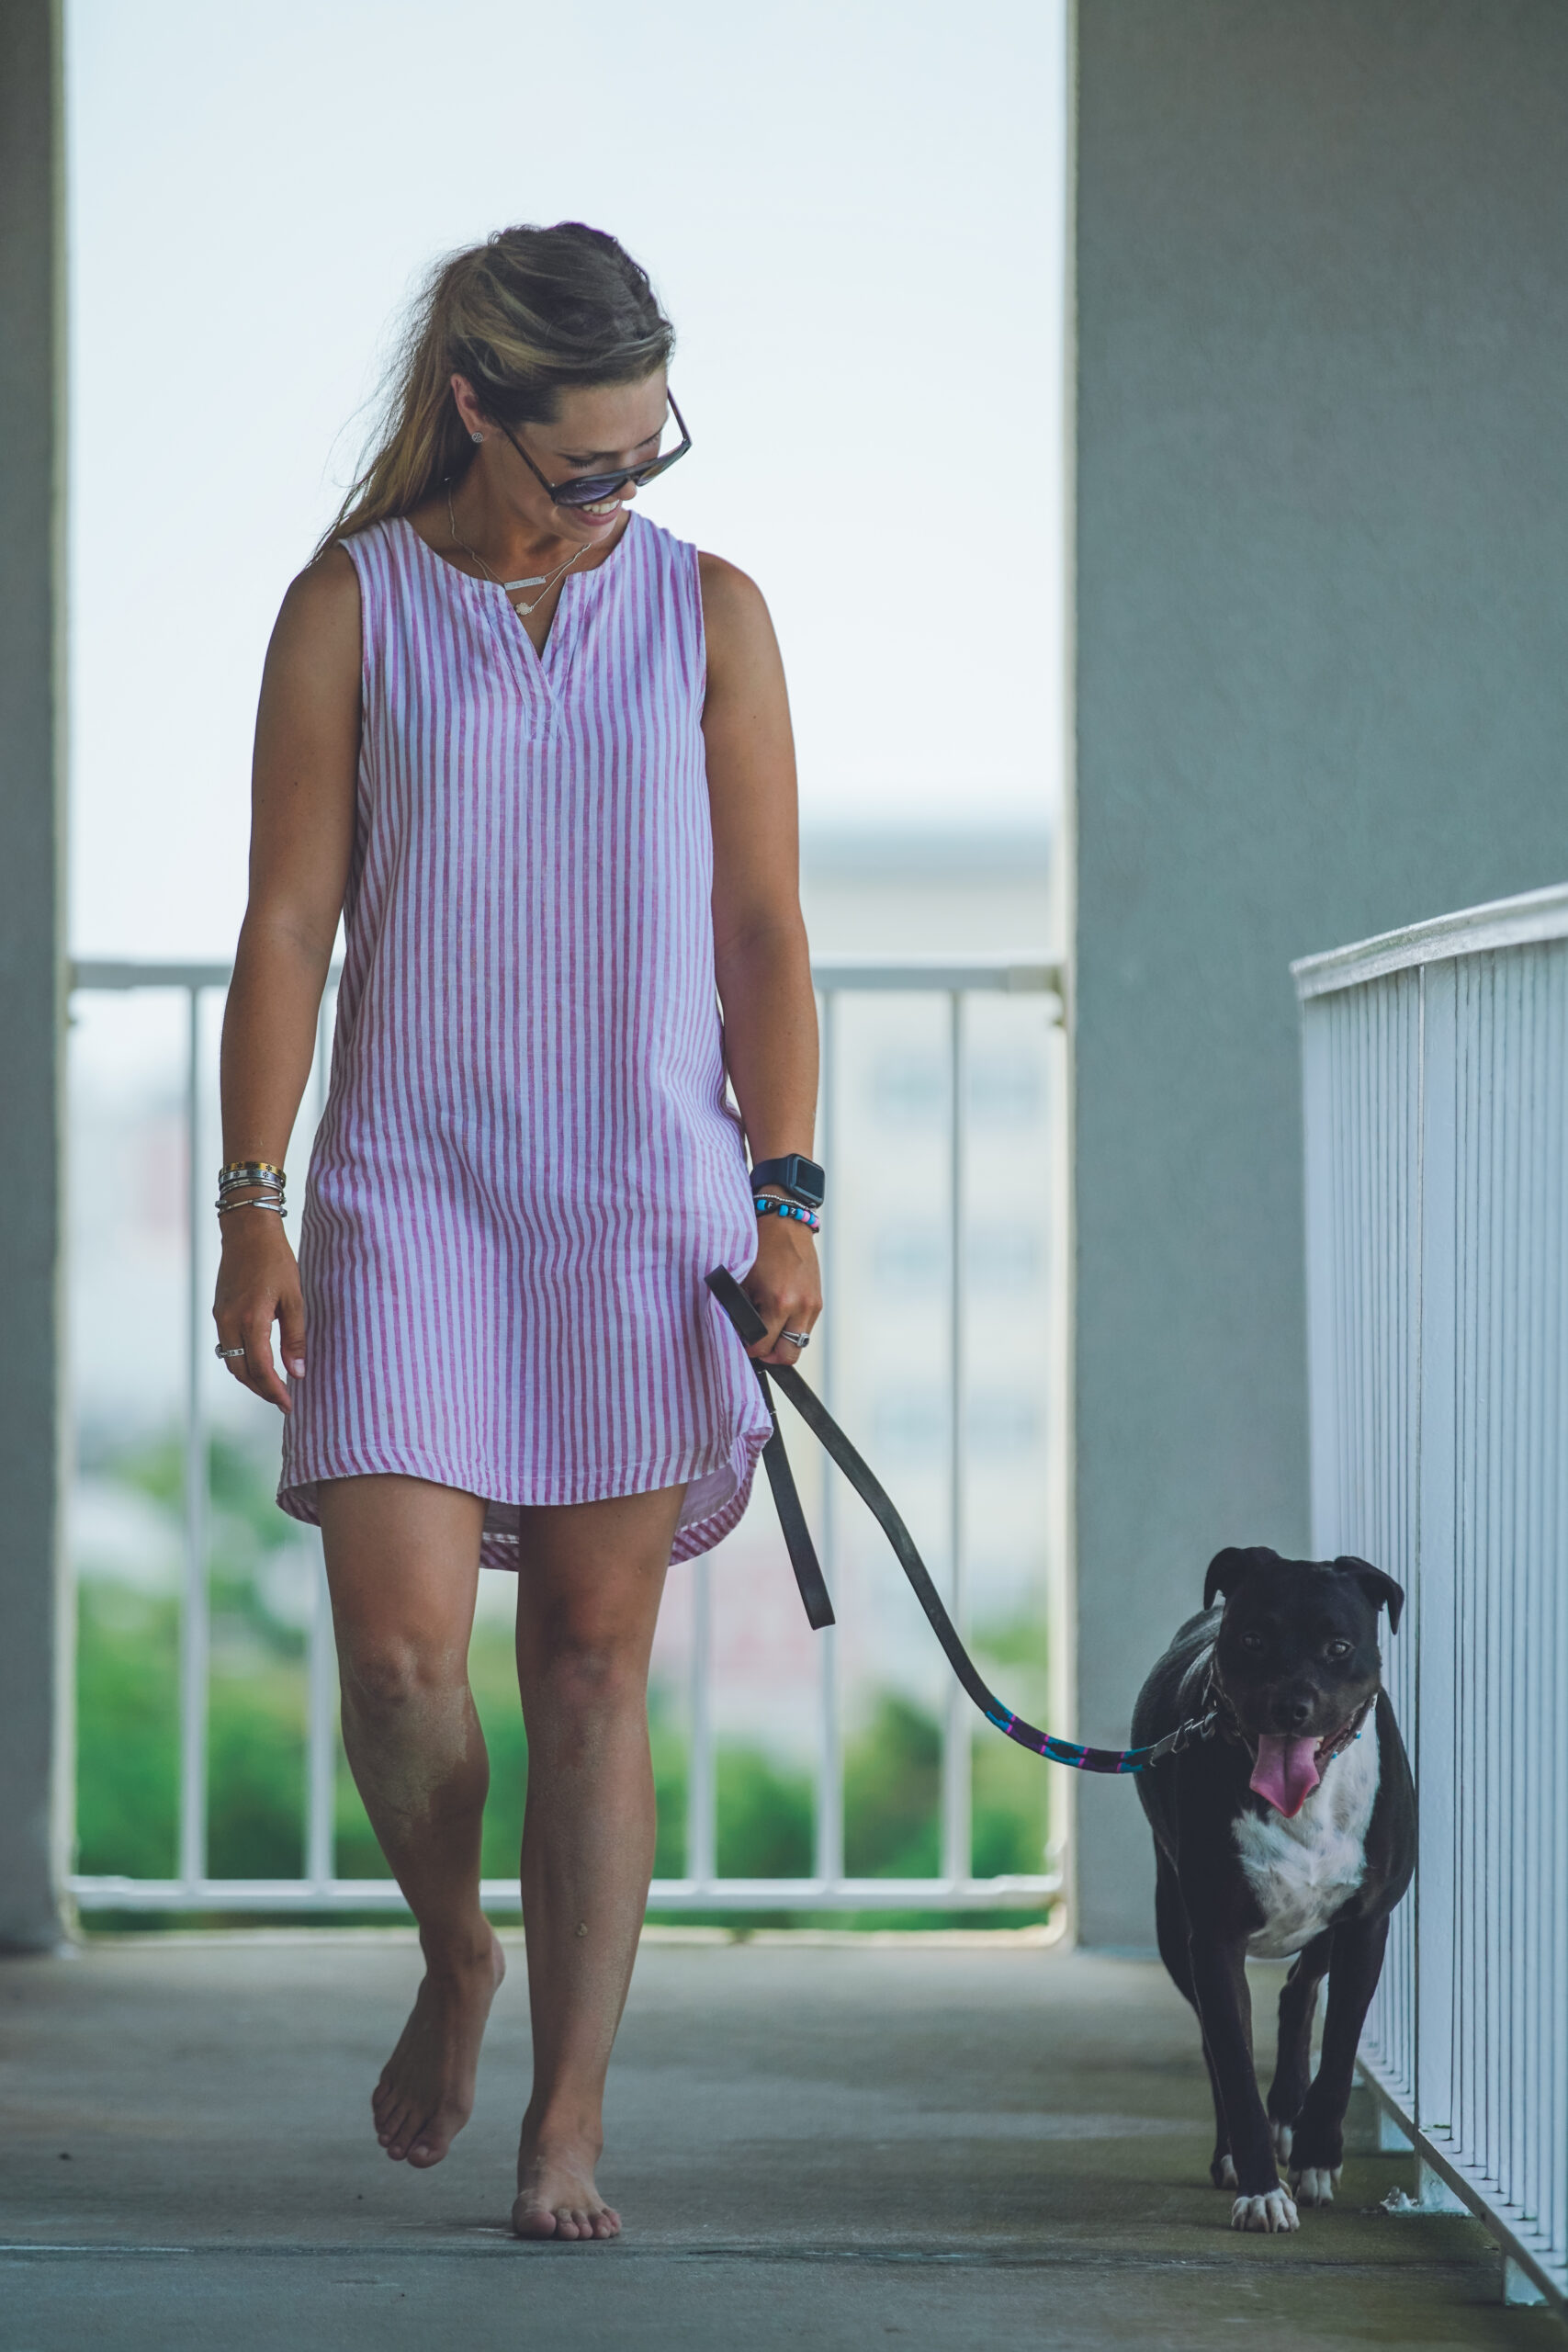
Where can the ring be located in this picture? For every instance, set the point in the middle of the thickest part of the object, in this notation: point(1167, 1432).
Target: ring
point(227, 1351)
point(797, 1339)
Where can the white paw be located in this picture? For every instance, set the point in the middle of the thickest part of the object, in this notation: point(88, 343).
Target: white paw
point(1228, 2178)
point(1282, 2138)
point(1273, 2212)
point(1315, 2185)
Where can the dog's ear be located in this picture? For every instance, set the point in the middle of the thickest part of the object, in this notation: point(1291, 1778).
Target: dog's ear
point(1379, 1590)
point(1226, 1570)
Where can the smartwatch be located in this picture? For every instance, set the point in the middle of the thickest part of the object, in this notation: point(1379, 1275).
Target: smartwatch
point(801, 1178)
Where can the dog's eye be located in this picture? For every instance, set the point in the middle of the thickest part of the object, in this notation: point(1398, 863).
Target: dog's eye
point(1337, 1650)
point(1252, 1640)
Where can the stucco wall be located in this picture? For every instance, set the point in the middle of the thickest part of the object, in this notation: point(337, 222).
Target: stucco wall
point(33, 1676)
point(1322, 688)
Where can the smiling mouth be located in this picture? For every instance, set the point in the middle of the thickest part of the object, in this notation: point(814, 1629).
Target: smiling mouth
point(1288, 1768)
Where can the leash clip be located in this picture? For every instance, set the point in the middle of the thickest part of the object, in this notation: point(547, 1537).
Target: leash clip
point(1181, 1738)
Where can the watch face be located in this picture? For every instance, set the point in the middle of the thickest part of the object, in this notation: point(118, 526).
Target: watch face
point(807, 1179)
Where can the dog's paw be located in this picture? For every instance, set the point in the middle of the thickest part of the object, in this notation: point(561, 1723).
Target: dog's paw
point(1315, 2184)
point(1273, 2212)
point(1222, 2172)
point(1283, 2136)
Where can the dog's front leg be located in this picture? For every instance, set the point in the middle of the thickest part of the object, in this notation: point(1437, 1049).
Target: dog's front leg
point(1219, 1983)
point(1292, 2069)
point(1318, 2146)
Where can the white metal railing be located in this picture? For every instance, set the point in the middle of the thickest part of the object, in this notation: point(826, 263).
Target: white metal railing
point(956, 979)
point(1436, 1076)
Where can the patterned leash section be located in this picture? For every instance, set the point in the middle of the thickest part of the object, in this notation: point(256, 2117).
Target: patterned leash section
point(750, 1327)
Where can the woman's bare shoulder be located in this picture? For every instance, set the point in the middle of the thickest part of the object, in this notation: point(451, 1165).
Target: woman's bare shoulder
point(736, 620)
point(317, 622)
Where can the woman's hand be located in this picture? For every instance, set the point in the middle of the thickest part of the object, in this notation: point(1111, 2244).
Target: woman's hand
point(258, 1284)
point(785, 1286)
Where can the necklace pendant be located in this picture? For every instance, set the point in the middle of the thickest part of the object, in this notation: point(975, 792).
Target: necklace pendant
point(522, 607)
point(537, 580)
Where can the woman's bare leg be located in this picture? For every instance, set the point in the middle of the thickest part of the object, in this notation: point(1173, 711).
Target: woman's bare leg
point(588, 1597)
point(402, 1565)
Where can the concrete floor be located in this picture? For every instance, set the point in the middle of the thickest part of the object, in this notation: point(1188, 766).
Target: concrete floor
point(811, 2147)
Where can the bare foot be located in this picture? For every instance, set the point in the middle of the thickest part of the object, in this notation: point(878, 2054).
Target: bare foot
point(426, 2091)
point(556, 2196)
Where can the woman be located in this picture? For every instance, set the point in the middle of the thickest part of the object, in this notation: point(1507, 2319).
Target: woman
point(536, 752)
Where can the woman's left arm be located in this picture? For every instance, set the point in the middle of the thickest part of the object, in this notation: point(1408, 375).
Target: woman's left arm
point(762, 964)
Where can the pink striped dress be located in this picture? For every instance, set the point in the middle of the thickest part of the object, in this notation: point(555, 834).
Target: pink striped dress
point(526, 1163)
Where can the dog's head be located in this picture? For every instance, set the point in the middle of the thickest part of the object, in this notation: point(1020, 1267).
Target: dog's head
point(1297, 1658)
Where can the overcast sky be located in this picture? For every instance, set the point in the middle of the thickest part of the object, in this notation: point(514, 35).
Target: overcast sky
point(853, 211)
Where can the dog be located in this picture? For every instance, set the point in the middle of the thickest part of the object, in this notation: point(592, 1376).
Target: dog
point(1290, 1830)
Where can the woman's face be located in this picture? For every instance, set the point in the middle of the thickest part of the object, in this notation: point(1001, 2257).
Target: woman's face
point(597, 429)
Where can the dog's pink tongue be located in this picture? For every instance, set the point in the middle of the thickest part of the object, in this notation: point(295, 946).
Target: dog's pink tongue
point(1286, 1772)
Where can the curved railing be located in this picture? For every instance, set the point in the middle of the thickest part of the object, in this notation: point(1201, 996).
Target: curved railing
point(1435, 1079)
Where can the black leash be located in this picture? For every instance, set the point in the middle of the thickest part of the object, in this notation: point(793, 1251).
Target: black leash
point(813, 1585)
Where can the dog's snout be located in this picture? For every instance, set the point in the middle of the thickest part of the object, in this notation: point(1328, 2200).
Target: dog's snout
point(1293, 1711)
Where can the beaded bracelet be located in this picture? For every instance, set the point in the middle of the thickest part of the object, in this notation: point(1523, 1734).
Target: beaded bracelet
point(793, 1209)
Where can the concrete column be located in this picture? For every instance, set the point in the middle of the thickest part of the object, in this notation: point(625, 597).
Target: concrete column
point(35, 1778)
point(1322, 568)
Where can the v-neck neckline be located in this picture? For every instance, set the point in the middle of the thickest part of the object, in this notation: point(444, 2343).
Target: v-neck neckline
point(509, 620)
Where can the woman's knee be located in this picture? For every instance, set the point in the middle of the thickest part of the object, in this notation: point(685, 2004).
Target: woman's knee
point(587, 1670)
point(388, 1670)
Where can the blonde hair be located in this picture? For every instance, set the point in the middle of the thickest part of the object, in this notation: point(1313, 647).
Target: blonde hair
point(526, 314)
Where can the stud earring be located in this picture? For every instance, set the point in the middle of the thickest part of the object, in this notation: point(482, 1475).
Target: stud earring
point(476, 437)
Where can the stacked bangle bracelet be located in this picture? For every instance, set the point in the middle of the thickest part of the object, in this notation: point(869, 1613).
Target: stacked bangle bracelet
point(792, 1209)
point(260, 1181)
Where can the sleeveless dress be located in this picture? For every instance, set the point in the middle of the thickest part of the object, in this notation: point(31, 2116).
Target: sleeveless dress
point(527, 1162)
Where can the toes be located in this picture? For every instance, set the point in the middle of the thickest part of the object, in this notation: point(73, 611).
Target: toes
point(532, 2221)
point(1273, 2212)
point(606, 2224)
point(1225, 2174)
point(1314, 2184)
point(427, 2150)
point(403, 2139)
point(1283, 2136)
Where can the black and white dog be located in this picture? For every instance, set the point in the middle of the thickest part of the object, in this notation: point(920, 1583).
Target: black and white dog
point(1293, 1830)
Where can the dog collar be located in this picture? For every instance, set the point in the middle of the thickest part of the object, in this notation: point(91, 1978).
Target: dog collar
point(1351, 1731)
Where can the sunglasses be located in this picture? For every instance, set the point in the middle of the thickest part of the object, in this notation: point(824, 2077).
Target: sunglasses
point(589, 489)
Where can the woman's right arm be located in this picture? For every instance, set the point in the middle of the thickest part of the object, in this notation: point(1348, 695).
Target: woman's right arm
point(302, 812)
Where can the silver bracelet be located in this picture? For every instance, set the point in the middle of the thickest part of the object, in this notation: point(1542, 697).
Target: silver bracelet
point(224, 1207)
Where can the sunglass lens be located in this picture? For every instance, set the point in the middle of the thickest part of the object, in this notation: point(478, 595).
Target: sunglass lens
point(589, 489)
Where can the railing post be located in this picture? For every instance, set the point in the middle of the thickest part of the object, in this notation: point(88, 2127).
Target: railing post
point(321, 1743)
point(956, 1752)
point(701, 1788)
point(828, 1860)
point(194, 1626)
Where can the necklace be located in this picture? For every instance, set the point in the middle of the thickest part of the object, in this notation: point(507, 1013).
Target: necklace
point(544, 580)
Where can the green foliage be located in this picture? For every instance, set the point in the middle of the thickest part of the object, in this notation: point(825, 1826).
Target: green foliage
point(127, 1661)
point(128, 1764)
point(764, 1818)
point(892, 1789)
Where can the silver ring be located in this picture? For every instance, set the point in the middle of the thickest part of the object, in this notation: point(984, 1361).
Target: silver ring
point(227, 1351)
point(797, 1339)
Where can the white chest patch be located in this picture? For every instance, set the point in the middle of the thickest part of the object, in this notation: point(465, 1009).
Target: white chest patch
point(1301, 1870)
